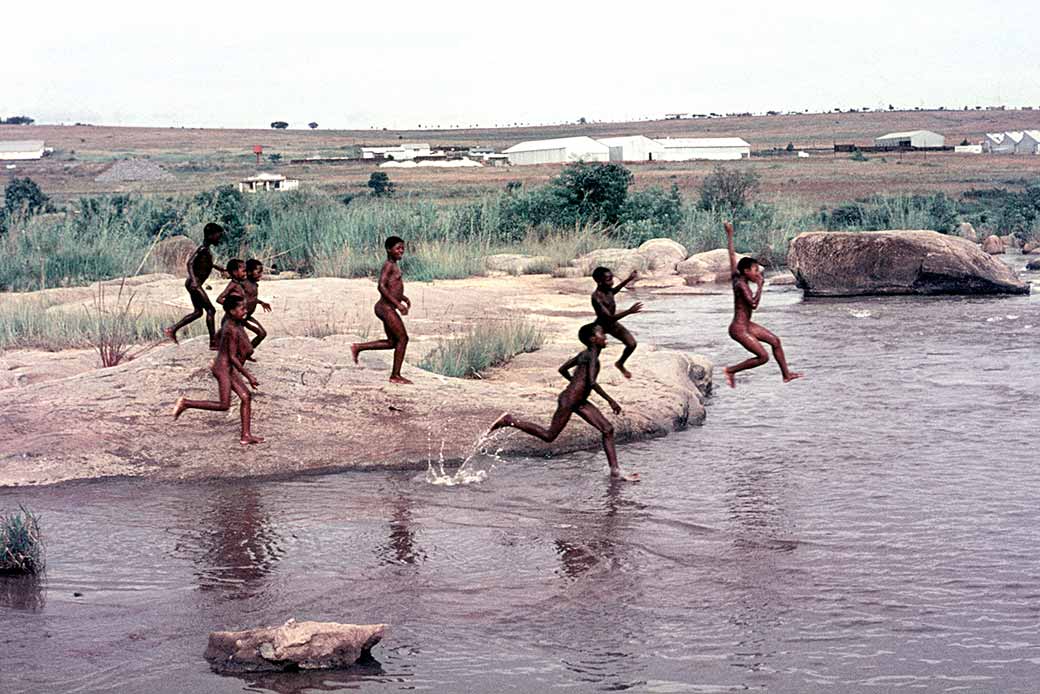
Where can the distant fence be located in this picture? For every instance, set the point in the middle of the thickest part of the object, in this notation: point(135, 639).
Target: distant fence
point(888, 148)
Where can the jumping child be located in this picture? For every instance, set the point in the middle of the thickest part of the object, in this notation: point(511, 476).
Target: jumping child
point(575, 400)
point(749, 334)
point(229, 363)
point(607, 316)
point(254, 272)
point(391, 301)
point(200, 264)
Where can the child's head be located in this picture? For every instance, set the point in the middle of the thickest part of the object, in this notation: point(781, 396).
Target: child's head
point(254, 269)
point(213, 233)
point(603, 276)
point(235, 306)
point(237, 269)
point(592, 334)
point(749, 268)
point(394, 247)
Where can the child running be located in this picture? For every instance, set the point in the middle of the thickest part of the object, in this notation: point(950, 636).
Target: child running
point(200, 264)
point(234, 350)
point(391, 301)
point(251, 285)
point(575, 400)
point(607, 316)
point(749, 334)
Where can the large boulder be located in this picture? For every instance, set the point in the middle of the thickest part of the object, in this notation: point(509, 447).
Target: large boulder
point(710, 266)
point(171, 255)
point(294, 645)
point(662, 255)
point(994, 245)
point(896, 262)
point(966, 231)
point(1031, 247)
point(621, 261)
point(1033, 264)
point(518, 263)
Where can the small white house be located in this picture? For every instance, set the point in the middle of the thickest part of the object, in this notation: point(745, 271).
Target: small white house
point(911, 138)
point(405, 150)
point(690, 148)
point(1029, 144)
point(267, 182)
point(13, 150)
point(559, 150)
point(633, 148)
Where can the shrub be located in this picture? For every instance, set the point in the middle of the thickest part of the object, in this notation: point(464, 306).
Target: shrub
point(485, 345)
point(380, 184)
point(651, 213)
point(728, 190)
point(279, 125)
point(312, 125)
point(23, 195)
point(591, 192)
point(21, 543)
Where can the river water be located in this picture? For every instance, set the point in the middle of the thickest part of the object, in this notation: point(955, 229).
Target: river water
point(870, 528)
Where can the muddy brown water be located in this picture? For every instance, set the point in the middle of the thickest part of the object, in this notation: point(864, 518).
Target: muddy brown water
point(872, 528)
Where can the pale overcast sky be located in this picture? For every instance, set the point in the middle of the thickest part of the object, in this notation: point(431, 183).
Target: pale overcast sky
point(401, 64)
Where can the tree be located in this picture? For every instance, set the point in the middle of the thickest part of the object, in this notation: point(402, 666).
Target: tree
point(312, 125)
point(593, 192)
point(380, 184)
point(23, 194)
point(274, 158)
point(789, 147)
point(279, 125)
point(582, 121)
point(17, 120)
point(724, 189)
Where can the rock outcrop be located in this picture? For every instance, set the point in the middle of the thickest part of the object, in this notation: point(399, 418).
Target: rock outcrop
point(1033, 264)
point(710, 266)
point(994, 245)
point(654, 257)
point(966, 231)
point(662, 255)
point(518, 263)
point(896, 262)
point(294, 645)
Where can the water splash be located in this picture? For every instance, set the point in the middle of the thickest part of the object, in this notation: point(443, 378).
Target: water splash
point(861, 313)
point(475, 468)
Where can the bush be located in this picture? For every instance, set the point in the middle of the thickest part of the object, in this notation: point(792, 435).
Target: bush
point(279, 125)
point(380, 184)
point(651, 213)
point(23, 195)
point(728, 190)
point(858, 156)
point(590, 192)
point(21, 543)
point(485, 345)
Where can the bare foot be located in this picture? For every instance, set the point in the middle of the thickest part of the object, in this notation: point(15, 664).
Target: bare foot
point(616, 476)
point(505, 420)
point(178, 408)
point(791, 377)
point(623, 370)
point(168, 332)
point(250, 358)
point(213, 346)
point(400, 380)
point(247, 440)
point(729, 378)
point(354, 351)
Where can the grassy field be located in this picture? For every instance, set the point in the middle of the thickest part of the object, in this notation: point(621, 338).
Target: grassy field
point(201, 159)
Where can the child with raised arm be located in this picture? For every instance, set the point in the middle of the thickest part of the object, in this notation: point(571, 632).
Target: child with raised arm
point(229, 363)
point(200, 264)
point(391, 301)
point(749, 334)
point(607, 315)
point(251, 285)
point(575, 400)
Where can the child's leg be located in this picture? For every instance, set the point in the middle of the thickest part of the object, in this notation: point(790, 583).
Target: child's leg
point(245, 409)
point(400, 337)
point(198, 308)
point(626, 338)
point(748, 342)
point(388, 343)
point(778, 351)
point(253, 325)
point(559, 421)
point(591, 414)
point(224, 404)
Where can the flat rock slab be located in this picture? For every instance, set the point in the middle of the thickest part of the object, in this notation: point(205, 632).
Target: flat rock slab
point(828, 263)
point(294, 645)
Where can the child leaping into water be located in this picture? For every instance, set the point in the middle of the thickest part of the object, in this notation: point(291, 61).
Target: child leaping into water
point(748, 333)
point(232, 353)
point(391, 300)
point(575, 400)
point(607, 315)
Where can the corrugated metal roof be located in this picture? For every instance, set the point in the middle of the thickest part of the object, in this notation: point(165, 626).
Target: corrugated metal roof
point(630, 140)
point(21, 145)
point(684, 142)
point(1014, 135)
point(585, 144)
point(996, 138)
point(904, 135)
point(1035, 134)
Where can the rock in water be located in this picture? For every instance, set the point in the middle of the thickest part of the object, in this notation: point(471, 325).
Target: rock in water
point(828, 263)
point(994, 245)
point(710, 266)
point(304, 645)
point(662, 255)
point(1033, 264)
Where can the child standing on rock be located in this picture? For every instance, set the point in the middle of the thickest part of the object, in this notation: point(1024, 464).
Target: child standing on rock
point(200, 264)
point(391, 301)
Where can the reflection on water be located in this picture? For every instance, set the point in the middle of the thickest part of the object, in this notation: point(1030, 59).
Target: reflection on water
point(871, 528)
point(303, 681)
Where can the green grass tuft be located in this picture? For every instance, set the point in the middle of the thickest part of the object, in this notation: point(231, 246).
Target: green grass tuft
point(21, 543)
point(483, 346)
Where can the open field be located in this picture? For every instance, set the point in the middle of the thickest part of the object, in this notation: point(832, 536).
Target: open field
point(201, 159)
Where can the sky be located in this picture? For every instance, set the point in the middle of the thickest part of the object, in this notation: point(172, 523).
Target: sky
point(407, 64)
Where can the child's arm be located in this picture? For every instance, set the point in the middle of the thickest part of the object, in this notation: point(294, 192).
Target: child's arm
point(634, 308)
point(193, 281)
point(230, 288)
point(745, 291)
point(384, 288)
point(732, 250)
point(632, 277)
point(609, 400)
point(565, 369)
point(264, 305)
point(226, 335)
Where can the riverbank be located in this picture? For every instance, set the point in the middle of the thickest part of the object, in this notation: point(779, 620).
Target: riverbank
point(318, 410)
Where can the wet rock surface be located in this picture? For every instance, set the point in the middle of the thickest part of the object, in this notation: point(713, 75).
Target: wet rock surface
point(294, 645)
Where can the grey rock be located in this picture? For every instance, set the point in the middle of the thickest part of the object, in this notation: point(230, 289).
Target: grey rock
point(303, 645)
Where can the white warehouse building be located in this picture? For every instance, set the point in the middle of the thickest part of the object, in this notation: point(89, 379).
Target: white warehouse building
point(1029, 144)
point(560, 150)
point(911, 138)
point(689, 148)
point(633, 148)
point(14, 150)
